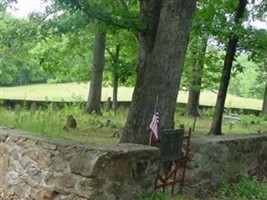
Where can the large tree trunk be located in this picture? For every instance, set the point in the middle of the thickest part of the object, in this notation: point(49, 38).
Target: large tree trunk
point(196, 80)
point(161, 58)
point(264, 105)
point(94, 96)
point(216, 126)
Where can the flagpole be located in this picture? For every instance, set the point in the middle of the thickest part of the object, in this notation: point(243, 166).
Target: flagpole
point(150, 139)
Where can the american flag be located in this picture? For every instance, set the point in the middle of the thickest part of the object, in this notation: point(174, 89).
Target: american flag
point(154, 127)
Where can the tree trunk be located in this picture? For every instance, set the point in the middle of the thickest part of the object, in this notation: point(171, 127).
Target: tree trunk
point(264, 105)
point(115, 92)
point(216, 126)
point(94, 96)
point(160, 65)
point(196, 81)
point(115, 78)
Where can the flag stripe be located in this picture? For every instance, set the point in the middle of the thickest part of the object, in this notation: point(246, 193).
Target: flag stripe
point(154, 126)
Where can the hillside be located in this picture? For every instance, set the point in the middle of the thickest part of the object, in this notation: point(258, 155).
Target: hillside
point(79, 91)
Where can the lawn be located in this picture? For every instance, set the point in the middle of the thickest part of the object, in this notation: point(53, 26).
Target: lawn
point(79, 91)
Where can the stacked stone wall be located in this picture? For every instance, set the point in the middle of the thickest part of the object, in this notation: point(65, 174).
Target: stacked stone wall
point(35, 167)
point(218, 159)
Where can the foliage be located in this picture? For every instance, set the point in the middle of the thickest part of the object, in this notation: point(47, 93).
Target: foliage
point(250, 120)
point(46, 123)
point(63, 49)
point(203, 25)
point(50, 121)
point(215, 20)
point(247, 84)
point(156, 196)
point(5, 3)
point(124, 67)
point(113, 14)
point(65, 57)
point(16, 65)
point(246, 189)
point(208, 112)
point(121, 14)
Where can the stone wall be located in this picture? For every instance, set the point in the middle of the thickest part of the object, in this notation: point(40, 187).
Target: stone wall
point(223, 158)
point(35, 167)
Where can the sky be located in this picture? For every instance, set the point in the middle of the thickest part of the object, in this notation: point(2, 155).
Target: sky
point(24, 7)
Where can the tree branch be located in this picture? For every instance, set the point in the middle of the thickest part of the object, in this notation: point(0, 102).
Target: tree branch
point(120, 21)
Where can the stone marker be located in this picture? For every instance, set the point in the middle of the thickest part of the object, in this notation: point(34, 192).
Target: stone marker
point(54, 106)
point(33, 108)
point(17, 108)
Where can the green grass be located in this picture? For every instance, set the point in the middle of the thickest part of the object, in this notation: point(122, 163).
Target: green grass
point(92, 127)
point(247, 188)
point(165, 196)
point(50, 123)
point(162, 196)
point(75, 91)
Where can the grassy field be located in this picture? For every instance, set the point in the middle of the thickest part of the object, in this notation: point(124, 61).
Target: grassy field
point(79, 91)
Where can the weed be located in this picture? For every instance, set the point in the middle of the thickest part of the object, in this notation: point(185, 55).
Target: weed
point(250, 120)
point(156, 196)
point(209, 112)
point(166, 196)
point(264, 117)
point(180, 110)
point(246, 188)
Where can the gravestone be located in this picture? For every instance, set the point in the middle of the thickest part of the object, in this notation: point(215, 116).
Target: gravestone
point(109, 104)
point(33, 108)
point(54, 106)
point(17, 109)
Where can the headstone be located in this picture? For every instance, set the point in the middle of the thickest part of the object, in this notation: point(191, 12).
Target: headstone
point(54, 106)
point(33, 108)
point(17, 108)
point(109, 104)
